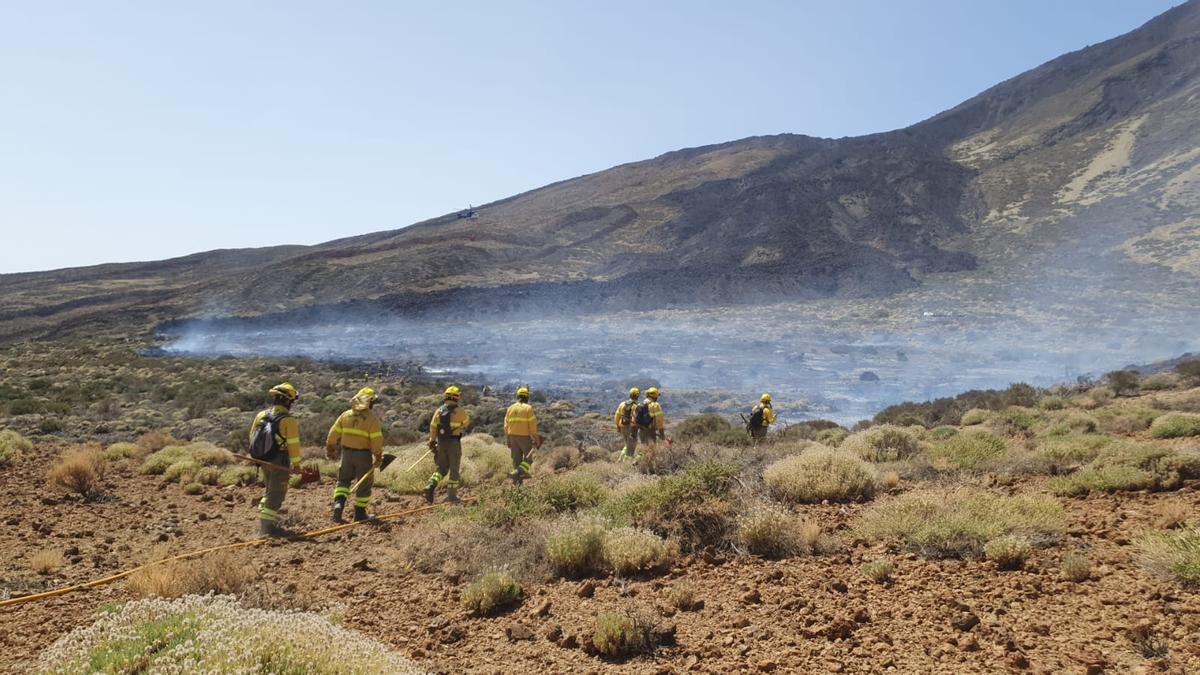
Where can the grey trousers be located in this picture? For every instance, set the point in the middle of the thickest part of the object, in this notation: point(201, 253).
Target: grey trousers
point(448, 457)
point(355, 465)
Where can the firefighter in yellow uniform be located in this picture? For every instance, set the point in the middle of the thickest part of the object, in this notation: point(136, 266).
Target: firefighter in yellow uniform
point(624, 419)
point(520, 429)
point(652, 424)
point(287, 437)
point(761, 418)
point(359, 434)
point(445, 439)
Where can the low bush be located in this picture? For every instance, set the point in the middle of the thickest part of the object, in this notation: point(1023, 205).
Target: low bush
point(237, 475)
point(972, 449)
point(1101, 478)
point(214, 635)
point(730, 438)
point(193, 489)
point(1175, 554)
point(883, 443)
point(628, 550)
point(820, 475)
point(12, 447)
point(689, 507)
point(1159, 382)
point(1131, 466)
point(771, 532)
point(575, 546)
point(571, 491)
point(492, 593)
point(78, 471)
point(682, 596)
point(1189, 369)
point(699, 426)
point(832, 437)
point(619, 635)
point(975, 416)
point(1008, 552)
point(153, 441)
point(159, 461)
point(47, 561)
point(1176, 425)
point(119, 451)
point(1052, 402)
point(878, 571)
point(1072, 450)
point(181, 471)
point(942, 433)
point(1123, 381)
point(958, 523)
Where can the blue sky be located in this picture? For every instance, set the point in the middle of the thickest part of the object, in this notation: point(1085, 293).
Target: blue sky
point(145, 130)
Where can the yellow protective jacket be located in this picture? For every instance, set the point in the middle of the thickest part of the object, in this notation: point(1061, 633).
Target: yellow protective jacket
point(626, 414)
point(656, 414)
point(459, 419)
point(767, 414)
point(289, 432)
point(357, 430)
point(520, 420)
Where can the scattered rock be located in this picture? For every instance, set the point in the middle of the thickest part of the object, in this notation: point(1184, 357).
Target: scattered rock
point(586, 589)
point(664, 633)
point(518, 631)
point(965, 621)
point(553, 633)
point(542, 609)
point(363, 565)
point(752, 597)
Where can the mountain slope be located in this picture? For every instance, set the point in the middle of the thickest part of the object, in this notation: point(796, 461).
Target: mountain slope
point(1089, 160)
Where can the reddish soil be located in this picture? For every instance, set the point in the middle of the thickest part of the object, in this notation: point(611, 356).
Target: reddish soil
point(803, 614)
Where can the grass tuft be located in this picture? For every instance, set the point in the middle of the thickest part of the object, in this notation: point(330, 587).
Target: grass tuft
point(78, 471)
point(12, 447)
point(820, 474)
point(1176, 425)
point(772, 532)
point(491, 594)
point(1174, 554)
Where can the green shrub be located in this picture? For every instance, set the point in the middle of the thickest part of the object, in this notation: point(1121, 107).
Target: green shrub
point(1076, 567)
point(1072, 450)
point(208, 475)
point(699, 426)
point(1188, 369)
point(1008, 552)
point(575, 546)
point(237, 475)
point(688, 507)
point(883, 443)
point(1122, 381)
point(832, 437)
point(157, 463)
point(193, 489)
point(820, 475)
point(878, 571)
point(1175, 554)
point(1101, 478)
point(183, 470)
point(943, 432)
point(1176, 425)
point(1159, 382)
point(119, 451)
point(957, 523)
point(620, 635)
point(571, 491)
point(1131, 466)
point(1052, 402)
point(627, 550)
point(975, 416)
point(682, 596)
point(1015, 420)
point(971, 449)
point(730, 438)
point(493, 592)
point(196, 634)
point(12, 447)
point(771, 532)
point(507, 506)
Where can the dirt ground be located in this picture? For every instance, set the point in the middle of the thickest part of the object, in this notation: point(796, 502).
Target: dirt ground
point(801, 614)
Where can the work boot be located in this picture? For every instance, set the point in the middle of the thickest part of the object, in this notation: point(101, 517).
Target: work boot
point(360, 513)
point(452, 495)
point(515, 475)
point(268, 528)
point(338, 507)
point(429, 488)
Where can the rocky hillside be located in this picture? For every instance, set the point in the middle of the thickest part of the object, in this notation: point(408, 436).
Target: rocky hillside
point(1092, 158)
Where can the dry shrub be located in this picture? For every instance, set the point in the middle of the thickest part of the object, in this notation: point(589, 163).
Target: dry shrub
point(119, 451)
point(570, 491)
point(181, 471)
point(492, 593)
point(1160, 381)
point(222, 572)
point(193, 489)
point(957, 523)
point(975, 416)
point(772, 532)
point(575, 546)
point(1008, 552)
point(627, 550)
point(889, 480)
point(46, 561)
point(1127, 466)
point(879, 571)
point(12, 447)
point(153, 441)
point(207, 454)
point(1076, 567)
point(883, 443)
point(972, 449)
point(471, 548)
point(1176, 425)
point(1172, 515)
point(682, 596)
point(820, 475)
point(79, 471)
point(560, 458)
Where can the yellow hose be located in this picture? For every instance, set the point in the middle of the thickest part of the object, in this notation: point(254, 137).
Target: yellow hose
point(223, 547)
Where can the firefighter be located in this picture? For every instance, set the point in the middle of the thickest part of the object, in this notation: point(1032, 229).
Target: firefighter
point(520, 429)
point(287, 440)
point(652, 425)
point(359, 435)
point(761, 418)
point(445, 439)
point(626, 426)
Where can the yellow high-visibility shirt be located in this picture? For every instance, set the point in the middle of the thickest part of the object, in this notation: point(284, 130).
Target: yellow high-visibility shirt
point(520, 420)
point(626, 414)
point(357, 430)
point(288, 435)
point(459, 419)
point(656, 414)
point(768, 414)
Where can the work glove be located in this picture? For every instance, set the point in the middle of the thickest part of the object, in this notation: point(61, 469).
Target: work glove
point(331, 453)
point(432, 444)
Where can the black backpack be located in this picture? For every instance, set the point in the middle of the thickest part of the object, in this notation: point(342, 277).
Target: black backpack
point(444, 414)
point(756, 418)
point(264, 444)
point(643, 415)
point(627, 406)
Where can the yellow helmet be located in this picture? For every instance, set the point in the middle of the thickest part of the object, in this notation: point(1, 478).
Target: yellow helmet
point(453, 392)
point(765, 398)
point(363, 399)
point(523, 391)
point(635, 392)
point(285, 390)
point(652, 392)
